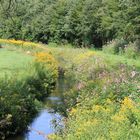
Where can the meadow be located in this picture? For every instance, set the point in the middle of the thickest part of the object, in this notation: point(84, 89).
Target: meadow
point(93, 44)
point(12, 62)
point(104, 101)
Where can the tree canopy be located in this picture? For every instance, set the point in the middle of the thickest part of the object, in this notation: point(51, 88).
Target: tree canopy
point(81, 22)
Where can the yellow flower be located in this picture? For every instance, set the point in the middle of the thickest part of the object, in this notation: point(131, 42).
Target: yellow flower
point(84, 56)
point(94, 121)
point(19, 42)
point(97, 108)
point(108, 101)
point(128, 103)
point(46, 58)
point(119, 117)
point(73, 111)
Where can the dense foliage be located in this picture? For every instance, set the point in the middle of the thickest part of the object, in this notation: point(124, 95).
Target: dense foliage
point(21, 93)
point(123, 47)
point(104, 102)
point(82, 22)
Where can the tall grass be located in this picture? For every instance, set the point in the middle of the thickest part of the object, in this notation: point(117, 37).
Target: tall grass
point(104, 102)
point(21, 92)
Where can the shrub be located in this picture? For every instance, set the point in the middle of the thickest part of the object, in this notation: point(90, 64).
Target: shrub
point(44, 75)
point(104, 103)
point(19, 95)
point(137, 44)
point(17, 107)
point(115, 46)
point(132, 51)
point(25, 45)
point(95, 113)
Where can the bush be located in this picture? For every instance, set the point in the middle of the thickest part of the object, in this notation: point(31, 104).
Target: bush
point(115, 46)
point(18, 96)
point(132, 51)
point(104, 103)
point(100, 111)
point(17, 107)
point(137, 44)
point(43, 75)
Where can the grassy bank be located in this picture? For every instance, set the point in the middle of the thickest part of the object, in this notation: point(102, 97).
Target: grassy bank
point(25, 79)
point(12, 62)
point(104, 102)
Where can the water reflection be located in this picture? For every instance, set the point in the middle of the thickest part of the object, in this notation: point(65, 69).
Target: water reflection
point(42, 124)
point(40, 127)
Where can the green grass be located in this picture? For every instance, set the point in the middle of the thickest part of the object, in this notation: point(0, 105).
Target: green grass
point(70, 51)
point(104, 102)
point(24, 82)
point(106, 105)
point(117, 59)
point(12, 62)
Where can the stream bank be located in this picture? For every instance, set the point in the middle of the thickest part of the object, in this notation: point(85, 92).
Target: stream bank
point(49, 116)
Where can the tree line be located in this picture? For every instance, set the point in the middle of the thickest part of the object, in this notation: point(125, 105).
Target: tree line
point(80, 22)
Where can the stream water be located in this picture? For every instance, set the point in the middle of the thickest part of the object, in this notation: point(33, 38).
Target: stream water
point(42, 125)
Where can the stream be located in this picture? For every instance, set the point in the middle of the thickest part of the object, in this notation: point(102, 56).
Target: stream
point(42, 125)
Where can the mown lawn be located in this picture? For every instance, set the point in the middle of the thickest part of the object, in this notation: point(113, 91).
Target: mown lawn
point(12, 62)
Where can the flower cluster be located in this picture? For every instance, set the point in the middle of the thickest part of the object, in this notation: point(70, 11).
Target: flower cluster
point(47, 61)
point(45, 57)
point(19, 43)
point(84, 55)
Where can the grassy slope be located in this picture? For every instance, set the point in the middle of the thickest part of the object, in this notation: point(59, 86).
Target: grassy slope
point(86, 124)
point(22, 86)
point(110, 58)
point(115, 59)
point(13, 62)
point(84, 118)
point(70, 52)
